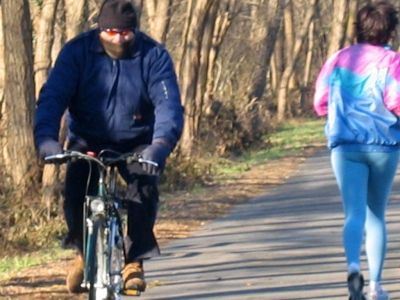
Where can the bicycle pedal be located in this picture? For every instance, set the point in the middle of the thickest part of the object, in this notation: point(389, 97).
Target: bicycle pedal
point(131, 292)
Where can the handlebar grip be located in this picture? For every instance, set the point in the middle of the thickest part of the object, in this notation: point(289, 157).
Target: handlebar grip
point(54, 157)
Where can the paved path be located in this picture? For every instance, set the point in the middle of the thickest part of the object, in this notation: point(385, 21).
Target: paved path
point(286, 244)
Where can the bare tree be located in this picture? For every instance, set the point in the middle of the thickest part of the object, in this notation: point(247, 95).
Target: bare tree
point(265, 34)
point(338, 25)
point(75, 17)
point(189, 71)
point(34, 6)
point(206, 44)
point(300, 38)
point(223, 20)
point(19, 93)
point(277, 62)
point(59, 31)
point(304, 97)
point(3, 119)
point(288, 22)
point(185, 32)
point(352, 12)
point(1, 60)
point(42, 64)
point(159, 12)
point(44, 42)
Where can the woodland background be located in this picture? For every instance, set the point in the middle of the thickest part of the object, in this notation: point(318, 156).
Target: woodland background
point(244, 67)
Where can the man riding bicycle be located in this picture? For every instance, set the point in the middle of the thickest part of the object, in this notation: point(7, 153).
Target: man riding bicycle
point(121, 92)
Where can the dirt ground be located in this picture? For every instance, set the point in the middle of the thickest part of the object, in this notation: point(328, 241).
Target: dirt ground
point(181, 214)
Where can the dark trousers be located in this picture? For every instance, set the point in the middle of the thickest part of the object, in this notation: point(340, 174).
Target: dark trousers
point(142, 192)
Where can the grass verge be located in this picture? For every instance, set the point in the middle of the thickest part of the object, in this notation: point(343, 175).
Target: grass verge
point(12, 264)
point(290, 138)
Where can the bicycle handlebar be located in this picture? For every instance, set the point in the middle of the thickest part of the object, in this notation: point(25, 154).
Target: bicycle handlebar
point(104, 162)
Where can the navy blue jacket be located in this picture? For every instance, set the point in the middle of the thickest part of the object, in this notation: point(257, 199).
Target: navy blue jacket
point(111, 103)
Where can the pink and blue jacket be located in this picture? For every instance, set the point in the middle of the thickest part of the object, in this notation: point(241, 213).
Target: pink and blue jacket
point(358, 88)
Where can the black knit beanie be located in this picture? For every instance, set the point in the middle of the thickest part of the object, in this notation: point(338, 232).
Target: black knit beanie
point(118, 14)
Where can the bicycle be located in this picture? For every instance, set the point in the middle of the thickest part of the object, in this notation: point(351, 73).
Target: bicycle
point(104, 246)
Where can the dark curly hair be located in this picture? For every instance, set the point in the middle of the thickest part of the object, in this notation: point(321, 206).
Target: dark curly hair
point(376, 23)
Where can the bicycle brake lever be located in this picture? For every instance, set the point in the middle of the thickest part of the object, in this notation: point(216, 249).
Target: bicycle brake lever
point(146, 161)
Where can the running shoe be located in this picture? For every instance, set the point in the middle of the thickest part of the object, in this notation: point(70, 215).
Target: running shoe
point(378, 295)
point(355, 284)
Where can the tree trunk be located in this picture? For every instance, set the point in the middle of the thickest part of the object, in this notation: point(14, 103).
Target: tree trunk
point(273, 73)
point(151, 6)
point(3, 119)
point(206, 46)
point(265, 38)
point(44, 42)
point(352, 13)
point(222, 22)
point(59, 31)
point(289, 38)
point(339, 21)
point(304, 98)
point(268, 22)
point(75, 12)
point(75, 17)
point(190, 71)
point(35, 14)
point(185, 34)
point(283, 85)
point(42, 64)
point(19, 93)
point(259, 38)
point(276, 65)
point(159, 12)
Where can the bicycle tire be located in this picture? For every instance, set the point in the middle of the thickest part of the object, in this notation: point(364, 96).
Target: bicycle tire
point(96, 258)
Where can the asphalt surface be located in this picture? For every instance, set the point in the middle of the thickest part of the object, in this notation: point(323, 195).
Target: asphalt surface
point(285, 244)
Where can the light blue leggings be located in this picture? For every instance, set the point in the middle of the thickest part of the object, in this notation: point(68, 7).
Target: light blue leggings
point(365, 181)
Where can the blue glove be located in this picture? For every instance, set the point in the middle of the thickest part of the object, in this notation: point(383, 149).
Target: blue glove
point(157, 153)
point(49, 147)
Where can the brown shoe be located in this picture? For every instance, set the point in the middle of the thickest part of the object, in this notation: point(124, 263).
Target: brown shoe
point(133, 276)
point(75, 276)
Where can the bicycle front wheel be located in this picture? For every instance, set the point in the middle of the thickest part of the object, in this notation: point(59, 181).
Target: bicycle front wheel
point(97, 261)
point(117, 255)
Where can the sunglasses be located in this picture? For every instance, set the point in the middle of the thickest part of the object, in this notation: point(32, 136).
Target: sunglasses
point(114, 32)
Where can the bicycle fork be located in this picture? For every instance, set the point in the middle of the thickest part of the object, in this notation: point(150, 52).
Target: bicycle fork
point(114, 252)
point(89, 232)
point(95, 276)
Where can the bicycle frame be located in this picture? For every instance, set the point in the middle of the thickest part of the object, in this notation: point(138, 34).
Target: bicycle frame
point(108, 272)
point(103, 233)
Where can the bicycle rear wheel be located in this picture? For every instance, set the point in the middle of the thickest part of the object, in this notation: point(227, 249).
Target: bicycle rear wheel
point(96, 262)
